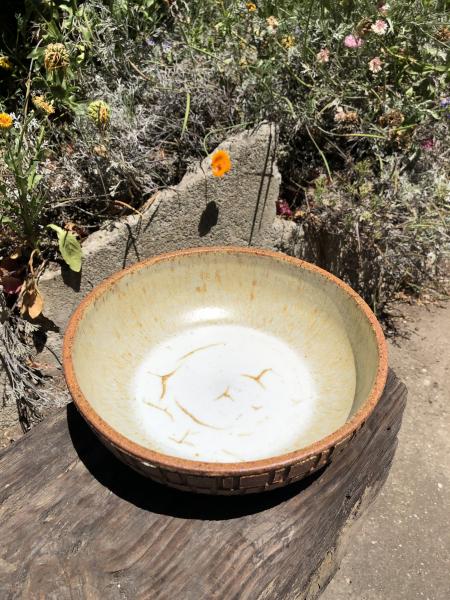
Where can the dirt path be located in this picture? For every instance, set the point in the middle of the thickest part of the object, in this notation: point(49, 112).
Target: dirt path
point(402, 551)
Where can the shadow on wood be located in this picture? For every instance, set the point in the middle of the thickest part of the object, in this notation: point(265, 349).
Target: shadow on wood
point(149, 495)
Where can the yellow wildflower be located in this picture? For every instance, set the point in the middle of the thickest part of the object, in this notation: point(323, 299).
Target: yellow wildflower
point(5, 121)
point(5, 63)
point(99, 112)
point(251, 6)
point(288, 41)
point(56, 57)
point(40, 102)
point(220, 163)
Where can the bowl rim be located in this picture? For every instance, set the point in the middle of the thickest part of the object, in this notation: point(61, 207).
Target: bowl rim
point(219, 469)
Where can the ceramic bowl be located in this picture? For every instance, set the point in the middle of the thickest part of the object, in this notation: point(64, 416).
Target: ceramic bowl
point(224, 370)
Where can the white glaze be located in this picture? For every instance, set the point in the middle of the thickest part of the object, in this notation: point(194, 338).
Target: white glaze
point(227, 393)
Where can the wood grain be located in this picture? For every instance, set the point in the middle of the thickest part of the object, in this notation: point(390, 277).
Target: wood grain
point(77, 524)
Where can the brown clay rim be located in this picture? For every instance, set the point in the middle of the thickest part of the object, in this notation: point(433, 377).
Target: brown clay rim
point(209, 468)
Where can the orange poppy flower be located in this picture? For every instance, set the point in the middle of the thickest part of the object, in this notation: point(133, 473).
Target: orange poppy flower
point(5, 121)
point(220, 163)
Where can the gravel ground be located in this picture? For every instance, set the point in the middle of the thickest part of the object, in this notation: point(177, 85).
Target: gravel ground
point(402, 550)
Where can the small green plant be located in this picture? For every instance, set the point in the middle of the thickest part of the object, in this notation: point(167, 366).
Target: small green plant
point(22, 198)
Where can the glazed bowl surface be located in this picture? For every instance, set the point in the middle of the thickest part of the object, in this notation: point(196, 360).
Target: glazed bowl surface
point(224, 370)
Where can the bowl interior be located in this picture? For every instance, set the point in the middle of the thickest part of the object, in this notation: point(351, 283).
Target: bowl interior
point(224, 356)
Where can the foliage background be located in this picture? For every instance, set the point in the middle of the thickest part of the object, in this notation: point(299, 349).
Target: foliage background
point(369, 191)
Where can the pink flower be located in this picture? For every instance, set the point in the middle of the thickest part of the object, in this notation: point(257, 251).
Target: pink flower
point(375, 65)
point(383, 9)
point(323, 56)
point(427, 144)
point(353, 41)
point(379, 27)
point(283, 209)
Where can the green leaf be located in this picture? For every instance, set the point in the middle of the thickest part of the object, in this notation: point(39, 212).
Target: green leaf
point(186, 114)
point(433, 113)
point(33, 180)
point(69, 247)
point(66, 8)
point(439, 68)
point(36, 53)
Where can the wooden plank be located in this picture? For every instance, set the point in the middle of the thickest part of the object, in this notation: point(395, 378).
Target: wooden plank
point(77, 524)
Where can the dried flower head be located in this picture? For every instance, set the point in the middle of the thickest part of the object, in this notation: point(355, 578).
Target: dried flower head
point(5, 63)
point(402, 137)
point(443, 34)
point(6, 121)
point(353, 41)
point(363, 27)
point(323, 56)
point(383, 9)
point(342, 116)
point(99, 112)
point(375, 65)
point(42, 104)
point(393, 118)
point(379, 27)
point(251, 6)
point(56, 57)
point(288, 41)
point(220, 163)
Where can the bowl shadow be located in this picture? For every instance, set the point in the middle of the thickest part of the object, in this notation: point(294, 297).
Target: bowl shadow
point(149, 495)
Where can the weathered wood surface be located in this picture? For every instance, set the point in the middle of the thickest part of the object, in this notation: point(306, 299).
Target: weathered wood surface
point(75, 523)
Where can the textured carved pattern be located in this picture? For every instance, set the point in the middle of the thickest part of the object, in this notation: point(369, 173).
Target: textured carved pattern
point(244, 484)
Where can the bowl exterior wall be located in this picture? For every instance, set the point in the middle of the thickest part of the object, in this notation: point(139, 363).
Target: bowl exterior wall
point(227, 478)
point(228, 485)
